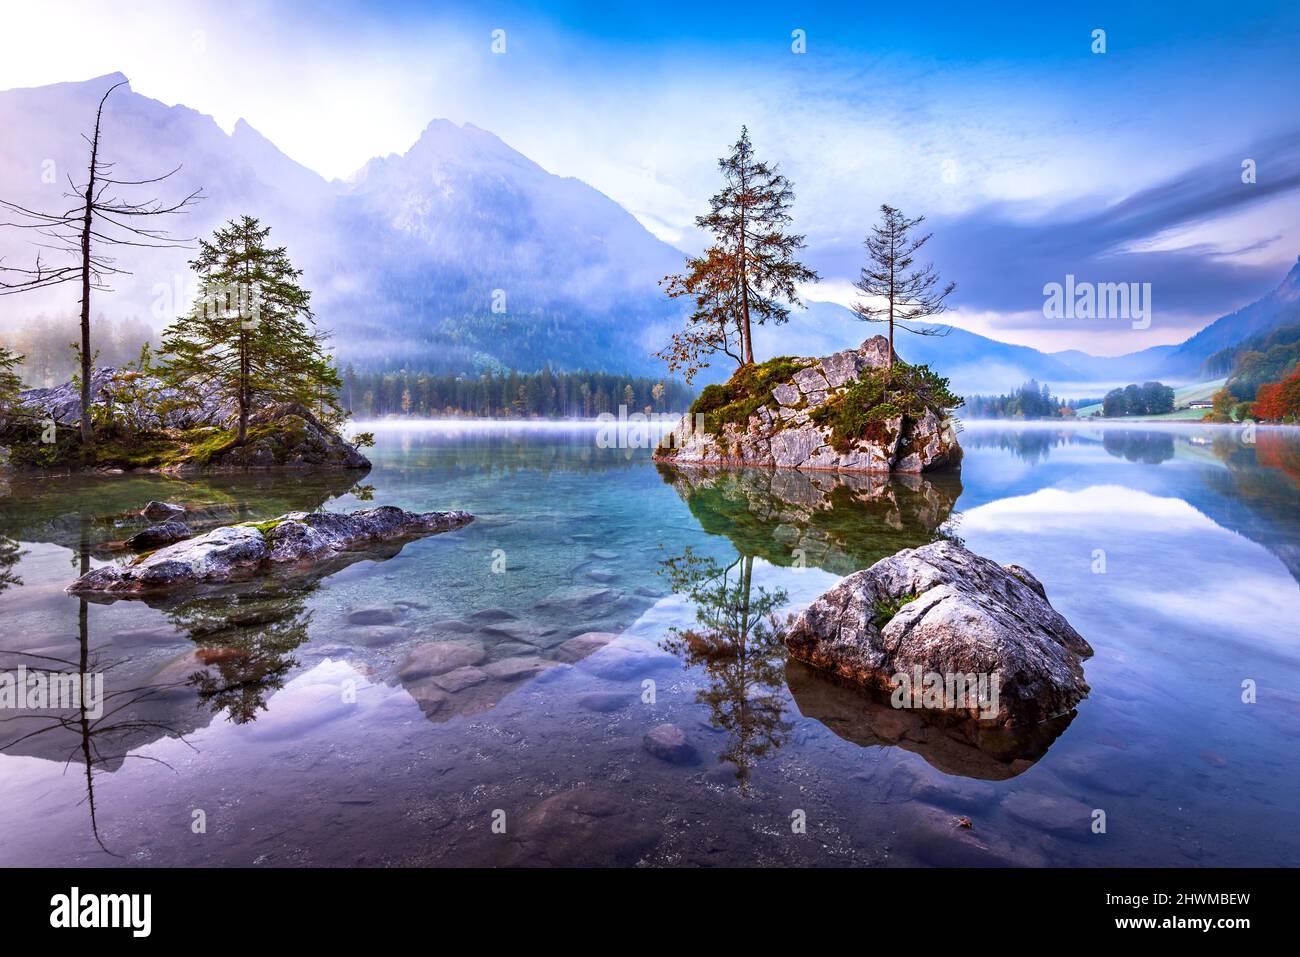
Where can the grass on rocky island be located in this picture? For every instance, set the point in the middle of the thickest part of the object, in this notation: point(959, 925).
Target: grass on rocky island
point(118, 448)
point(865, 407)
point(747, 391)
point(266, 527)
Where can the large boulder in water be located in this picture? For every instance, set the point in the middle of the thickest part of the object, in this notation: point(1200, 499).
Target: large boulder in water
point(942, 610)
point(235, 552)
point(841, 412)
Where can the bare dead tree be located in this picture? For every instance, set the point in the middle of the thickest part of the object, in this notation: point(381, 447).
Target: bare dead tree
point(99, 217)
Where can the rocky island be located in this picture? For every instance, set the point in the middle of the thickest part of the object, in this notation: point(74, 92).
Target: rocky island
point(851, 411)
point(296, 541)
point(142, 423)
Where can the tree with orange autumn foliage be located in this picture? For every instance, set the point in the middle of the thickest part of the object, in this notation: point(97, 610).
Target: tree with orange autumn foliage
point(1279, 401)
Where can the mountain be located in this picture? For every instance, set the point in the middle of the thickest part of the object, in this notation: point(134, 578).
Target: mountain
point(1279, 308)
point(1118, 370)
point(462, 254)
point(1188, 361)
point(974, 363)
point(459, 254)
point(471, 248)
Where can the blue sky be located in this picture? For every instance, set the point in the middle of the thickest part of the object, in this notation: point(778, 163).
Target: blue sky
point(1031, 155)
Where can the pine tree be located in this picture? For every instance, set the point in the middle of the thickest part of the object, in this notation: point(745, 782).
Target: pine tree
point(250, 336)
point(749, 274)
point(11, 382)
point(909, 294)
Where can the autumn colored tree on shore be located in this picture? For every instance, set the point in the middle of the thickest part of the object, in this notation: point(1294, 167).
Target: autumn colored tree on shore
point(896, 293)
point(1221, 405)
point(748, 275)
point(1276, 401)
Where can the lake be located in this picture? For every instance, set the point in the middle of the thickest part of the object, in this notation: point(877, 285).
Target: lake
point(483, 696)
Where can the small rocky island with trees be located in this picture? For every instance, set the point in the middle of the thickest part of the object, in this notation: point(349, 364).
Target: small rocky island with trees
point(857, 410)
point(243, 379)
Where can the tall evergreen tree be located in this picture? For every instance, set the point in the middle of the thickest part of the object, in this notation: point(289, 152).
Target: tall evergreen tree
point(748, 274)
point(11, 382)
point(250, 335)
point(908, 293)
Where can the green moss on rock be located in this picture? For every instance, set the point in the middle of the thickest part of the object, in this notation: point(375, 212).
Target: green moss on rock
point(864, 408)
point(886, 608)
point(748, 390)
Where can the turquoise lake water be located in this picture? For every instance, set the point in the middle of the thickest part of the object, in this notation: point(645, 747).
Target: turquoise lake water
point(297, 722)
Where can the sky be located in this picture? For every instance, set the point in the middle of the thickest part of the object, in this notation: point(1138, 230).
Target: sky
point(1031, 156)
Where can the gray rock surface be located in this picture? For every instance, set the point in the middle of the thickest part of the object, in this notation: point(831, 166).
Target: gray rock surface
point(161, 511)
point(233, 552)
point(62, 403)
point(156, 536)
point(963, 614)
point(784, 435)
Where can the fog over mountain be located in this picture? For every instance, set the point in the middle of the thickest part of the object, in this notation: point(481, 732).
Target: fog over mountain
point(460, 254)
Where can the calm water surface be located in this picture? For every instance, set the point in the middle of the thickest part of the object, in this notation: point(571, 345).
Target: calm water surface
point(390, 711)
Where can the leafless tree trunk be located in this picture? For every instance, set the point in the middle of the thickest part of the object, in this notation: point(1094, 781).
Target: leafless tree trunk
point(101, 218)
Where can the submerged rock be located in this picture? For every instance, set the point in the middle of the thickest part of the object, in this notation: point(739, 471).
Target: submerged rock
point(667, 742)
point(783, 414)
point(439, 657)
point(161, 511)
point(233, 552)
point(943, 610)
point(156, 536)
point(374, 615)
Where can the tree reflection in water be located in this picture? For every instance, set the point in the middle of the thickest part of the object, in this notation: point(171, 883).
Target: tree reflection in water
point(10, 552)
point(244, 645)
point(738, 642)
point(97, 742)
point(242, 652)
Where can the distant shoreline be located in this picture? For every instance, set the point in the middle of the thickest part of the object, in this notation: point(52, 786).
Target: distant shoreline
point(453, 423)
point(665, 422)
point(1087, 423)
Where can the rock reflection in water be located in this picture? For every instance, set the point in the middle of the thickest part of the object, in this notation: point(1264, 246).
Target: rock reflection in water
point(100, 511)
point(840, 522)
point(972, 749)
